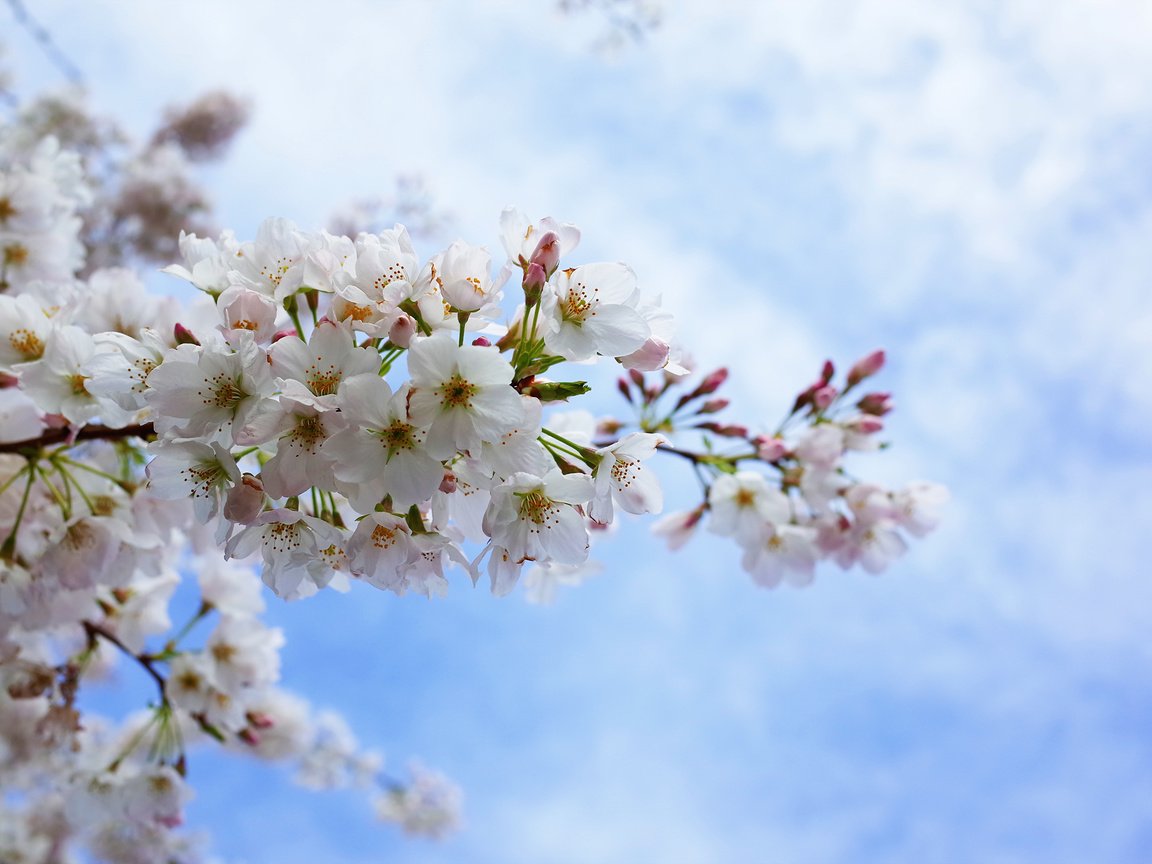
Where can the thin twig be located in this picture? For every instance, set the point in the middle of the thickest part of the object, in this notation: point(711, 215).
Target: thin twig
point(43, 38)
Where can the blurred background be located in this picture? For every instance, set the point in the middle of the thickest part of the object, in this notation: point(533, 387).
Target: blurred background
point(964, 184)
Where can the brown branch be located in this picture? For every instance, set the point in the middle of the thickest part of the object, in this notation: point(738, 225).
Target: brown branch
point(95, 631)
point(87, 433)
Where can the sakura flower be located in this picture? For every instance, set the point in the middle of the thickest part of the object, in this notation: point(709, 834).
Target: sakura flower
point(379, 547)
point(298, 464)
point(428, 807)
point(156, 795)
point(783, 552)
point(58, 381)
point(274, 261)
point(189, 469)
point(208, 261)
point(243, 308)
point(380, 452)
point(591, 310)
point(821, 445)
point(622, 479)
point(741, 503)
point(462, 273)
point(120, 369)
point(535, 518)
point(424, 572)
point(210, 392)
point(519, 447)
point(461, 393)
point(520, 236)
point(24, 328)
point(318, 366)
point(918, 507)
point(290, 543)
point(244, 653)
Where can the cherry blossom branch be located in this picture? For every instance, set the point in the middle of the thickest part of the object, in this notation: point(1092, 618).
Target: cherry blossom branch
point(91, 432)
point(96, 631)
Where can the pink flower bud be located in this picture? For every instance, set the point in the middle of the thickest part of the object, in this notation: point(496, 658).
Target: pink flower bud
point(770, 449)
point(534, 279)
point(287, 333)
point(865, 368)
point(712, 406)
point(259, 720)
point(7, 380)
point(481, 342)
point(866, 425)
point(183, 336)
point(824, 396)
point(547, 253)
point(400, 334)
point(248, 737)
point(711, 382)
point(622, 386)
point(877, 404)
point(245, 500)
point(727, 430)
point(827, 372)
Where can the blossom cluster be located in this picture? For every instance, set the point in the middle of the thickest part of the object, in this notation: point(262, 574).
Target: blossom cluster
point(335, 410)
point(785, 497)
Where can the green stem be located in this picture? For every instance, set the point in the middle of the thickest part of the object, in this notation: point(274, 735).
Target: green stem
point(10, 543)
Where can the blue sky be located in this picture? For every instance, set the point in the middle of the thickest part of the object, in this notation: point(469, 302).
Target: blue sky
point(963, 184)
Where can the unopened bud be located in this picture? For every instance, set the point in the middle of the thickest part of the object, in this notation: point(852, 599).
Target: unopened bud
point(401, 332)
point(245, 500)
point(824, 396)
point(547, 253)
point(866, 425)
point(534, 279)
point(248, 737)
point(877, 404)
point(865, 368)
point(312, 296)
point(637, 378)
point(556, 391)
point(827, 372)
point(183, 336)
point(770, 449)
point(726, 430)
point(7, 380)
point(711, 382)
point(287, 333)
point(259, 720)
point(481, 342)
point(712, 406)
point(625, 390)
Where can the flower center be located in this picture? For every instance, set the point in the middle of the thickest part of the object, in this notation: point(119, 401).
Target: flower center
point(538, 508)
point(27, 343)
point(456, 392)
